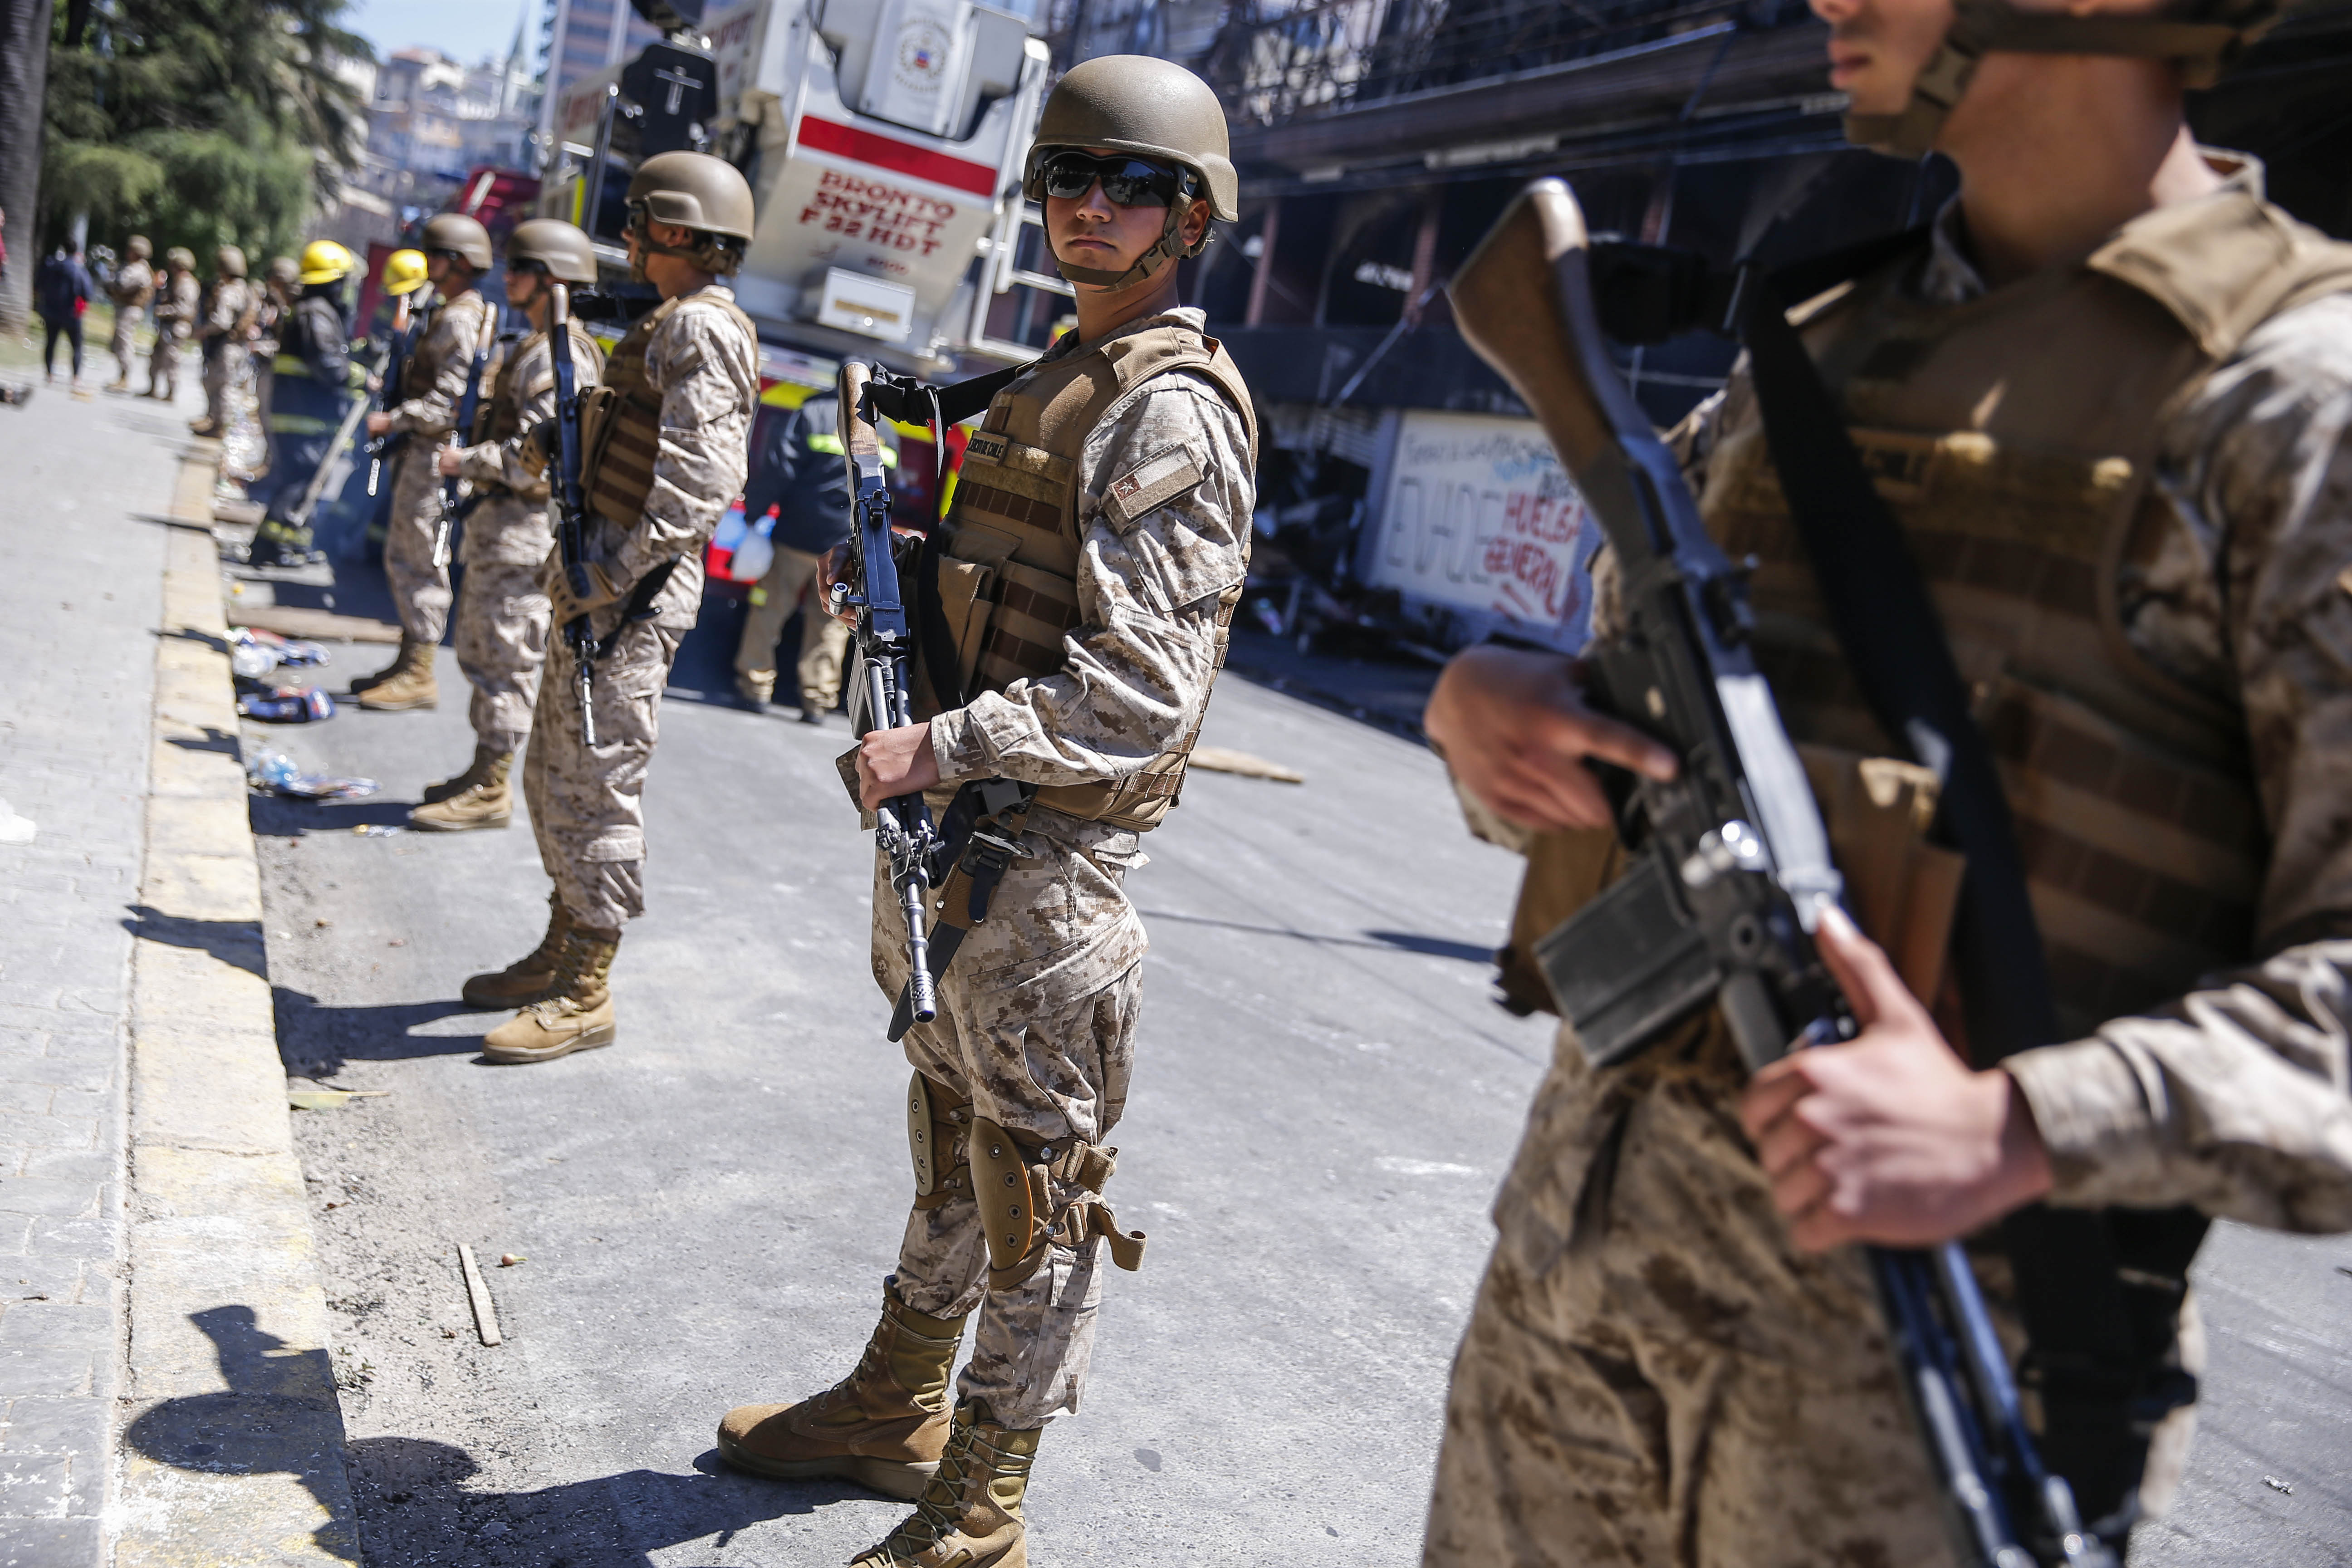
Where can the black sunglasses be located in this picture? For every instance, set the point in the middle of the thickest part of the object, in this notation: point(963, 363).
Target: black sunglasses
point(1126, 182)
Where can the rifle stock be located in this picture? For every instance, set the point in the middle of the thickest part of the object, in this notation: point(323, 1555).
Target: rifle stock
point(903, 825)
point(1731, 867)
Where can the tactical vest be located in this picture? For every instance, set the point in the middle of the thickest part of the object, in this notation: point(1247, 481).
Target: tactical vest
point(620, 422)
point(417, 371)
point(1006, 584)
point(2014, 437)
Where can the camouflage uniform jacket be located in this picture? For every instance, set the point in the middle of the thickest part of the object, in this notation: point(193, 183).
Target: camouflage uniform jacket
point(133, 286)
point(1140, 664)
point(519, 531)
point(442, 359)
point(706, 371)
point(2233, 1097)
point(231, 302)
point(176, 302)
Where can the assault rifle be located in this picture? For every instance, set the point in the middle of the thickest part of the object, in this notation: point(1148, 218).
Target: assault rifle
point(881, 699)
point(468, 406)
point(572, 522)
point(396, 346)
point(1731, 867)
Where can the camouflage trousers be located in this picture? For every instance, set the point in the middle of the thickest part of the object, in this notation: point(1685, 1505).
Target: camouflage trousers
point(1036, 1024)
point(791, 583)
point(587, 808)
point(420, 589)
point(502, 624)
point(163, 365)
point(124, 345)
point(1652, 1374)
point(216, 376)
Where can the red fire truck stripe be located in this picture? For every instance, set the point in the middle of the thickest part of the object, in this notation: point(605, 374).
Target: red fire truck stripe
point(886, 152)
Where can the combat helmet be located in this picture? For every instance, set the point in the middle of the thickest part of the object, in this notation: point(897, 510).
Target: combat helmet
point(324, 261)
point(181, 257)
point(230, 260)
point(459, 235)
point(404, 272)
point(286, 272)
point(695, 191)
point(1153, 109)
point(2203, 37)
point(557, 248)
point(138, 247)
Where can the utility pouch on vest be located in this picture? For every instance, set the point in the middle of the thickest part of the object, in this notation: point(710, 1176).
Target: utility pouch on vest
point(1012, 1181)
point(619, 437)
point(1903, 888)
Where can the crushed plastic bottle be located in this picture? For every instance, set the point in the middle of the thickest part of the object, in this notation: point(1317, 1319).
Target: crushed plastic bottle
point(253, 652)
point(251, 659)
point(286, 704)
point(275, 772)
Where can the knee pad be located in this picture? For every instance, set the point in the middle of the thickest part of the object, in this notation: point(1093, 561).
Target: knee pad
point(1012, 1181)
point(936, 1117)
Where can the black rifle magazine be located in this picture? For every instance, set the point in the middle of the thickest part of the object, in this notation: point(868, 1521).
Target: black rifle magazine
point(1628, 965)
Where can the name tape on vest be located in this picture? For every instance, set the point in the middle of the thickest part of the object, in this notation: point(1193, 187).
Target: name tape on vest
point(1153, 483)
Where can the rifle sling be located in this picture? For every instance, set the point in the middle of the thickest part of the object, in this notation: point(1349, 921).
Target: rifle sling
point(979, 834)
point(2097, 1361)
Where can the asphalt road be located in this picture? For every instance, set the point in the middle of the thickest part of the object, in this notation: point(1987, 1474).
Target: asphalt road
point(1323, 1103)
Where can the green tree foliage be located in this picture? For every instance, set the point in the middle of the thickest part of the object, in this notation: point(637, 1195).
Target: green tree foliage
point(199, 122)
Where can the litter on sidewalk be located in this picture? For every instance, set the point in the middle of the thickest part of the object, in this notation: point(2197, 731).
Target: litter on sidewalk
point(283, 704)
point(275, 772)
point(307, 1094)
point(253, 652)
point(15, 829)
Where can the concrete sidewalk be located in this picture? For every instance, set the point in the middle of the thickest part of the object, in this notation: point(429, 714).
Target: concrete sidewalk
point(162, 1363)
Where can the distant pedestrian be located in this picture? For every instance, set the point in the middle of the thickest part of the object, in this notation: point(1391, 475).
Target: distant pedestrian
point(226, 327)
point(176, 302)
point(798, 470)
point(132, 290)
point(61, 291)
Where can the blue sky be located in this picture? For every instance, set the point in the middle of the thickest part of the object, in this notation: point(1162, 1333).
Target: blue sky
point(468, 29)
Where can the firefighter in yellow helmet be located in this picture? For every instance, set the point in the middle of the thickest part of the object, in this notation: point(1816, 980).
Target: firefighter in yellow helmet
point(1105, 507)
point(309, 393)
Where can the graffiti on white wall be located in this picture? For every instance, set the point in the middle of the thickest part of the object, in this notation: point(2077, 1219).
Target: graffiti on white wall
point(1479, 517)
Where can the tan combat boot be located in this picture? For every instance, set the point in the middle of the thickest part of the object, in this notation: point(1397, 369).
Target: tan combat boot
point(488, 803)
point(458, 784)
point(576, 1015)
point(408, 684)
point(529, 978)
point(884, 1426)
point(970, 1516)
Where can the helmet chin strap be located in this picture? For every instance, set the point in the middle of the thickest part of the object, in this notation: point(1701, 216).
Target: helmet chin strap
point(1984, 27)
point(1145, 264)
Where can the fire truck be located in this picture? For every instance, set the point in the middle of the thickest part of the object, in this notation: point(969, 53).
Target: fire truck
point(884, 143)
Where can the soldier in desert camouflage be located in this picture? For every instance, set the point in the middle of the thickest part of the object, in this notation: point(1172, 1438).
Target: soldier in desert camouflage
point(669, 439)
point(1103, 515)
point(502, 615)
point(132, 290)
point(177, 297)
point(433, 381)
point(2114, 381)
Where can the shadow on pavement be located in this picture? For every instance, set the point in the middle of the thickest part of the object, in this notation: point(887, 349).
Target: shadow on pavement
point(278, 817)
point(232, 942)
point(277, 1415)
point(220, 740)
point(316, 1041)
point(418, 1508)
point(1378, 940)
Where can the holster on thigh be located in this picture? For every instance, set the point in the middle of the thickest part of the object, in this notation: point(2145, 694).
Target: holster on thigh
point(937, 1118)
point(1012, 1181)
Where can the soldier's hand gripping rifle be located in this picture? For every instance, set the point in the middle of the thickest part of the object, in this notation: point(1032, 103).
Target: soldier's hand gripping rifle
point(397, 345)
point(1731, 870)
point(470, 404)
point(881, 699)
